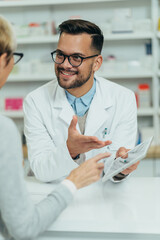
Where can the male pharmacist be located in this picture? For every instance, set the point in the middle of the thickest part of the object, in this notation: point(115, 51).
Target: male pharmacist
point(78, 115)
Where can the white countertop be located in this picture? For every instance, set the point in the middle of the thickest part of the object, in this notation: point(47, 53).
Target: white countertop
point(132, 206)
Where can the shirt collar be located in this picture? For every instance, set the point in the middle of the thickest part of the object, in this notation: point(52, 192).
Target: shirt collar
point(70, 97)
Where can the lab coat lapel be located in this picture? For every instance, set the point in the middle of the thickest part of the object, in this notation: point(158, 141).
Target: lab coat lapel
point(64, 109)
point(98, 113)
point(66, 113)
point(61, 104)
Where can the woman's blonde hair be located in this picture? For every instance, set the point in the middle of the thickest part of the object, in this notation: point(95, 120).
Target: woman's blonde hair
point(7, 38)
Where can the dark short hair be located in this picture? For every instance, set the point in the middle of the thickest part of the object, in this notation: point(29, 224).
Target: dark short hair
point(78, 26)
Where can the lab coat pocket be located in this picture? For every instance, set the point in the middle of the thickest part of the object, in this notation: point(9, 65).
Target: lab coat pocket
point(106, 137)
point(104, 134)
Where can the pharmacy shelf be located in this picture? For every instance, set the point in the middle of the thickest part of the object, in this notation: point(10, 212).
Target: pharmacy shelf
point(38, 39)
point(30, 78)
point(38, 78)
point(126, 75)
point(146, 112)
point(107, 37)
point(129, 36)
point(47, 2)
point(12, 114)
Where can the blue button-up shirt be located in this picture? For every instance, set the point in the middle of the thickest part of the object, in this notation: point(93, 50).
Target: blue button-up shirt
point(82, 104)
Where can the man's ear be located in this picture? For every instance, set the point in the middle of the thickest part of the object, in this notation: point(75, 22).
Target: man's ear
point(98, 63)
point(3, 60)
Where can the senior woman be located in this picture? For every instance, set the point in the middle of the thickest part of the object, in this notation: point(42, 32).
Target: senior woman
point(19, 217)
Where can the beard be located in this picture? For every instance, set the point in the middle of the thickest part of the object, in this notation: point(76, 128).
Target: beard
point(78, 82)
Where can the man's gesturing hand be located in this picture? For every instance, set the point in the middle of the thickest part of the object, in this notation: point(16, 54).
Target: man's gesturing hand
point(78, 143)
point(88, 172)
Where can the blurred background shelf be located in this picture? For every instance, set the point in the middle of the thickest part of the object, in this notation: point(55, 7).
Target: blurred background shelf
point(30, 78)
point(130, 58)
point(13, 114)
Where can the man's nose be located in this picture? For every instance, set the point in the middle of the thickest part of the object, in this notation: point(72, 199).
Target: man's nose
point(66, 63)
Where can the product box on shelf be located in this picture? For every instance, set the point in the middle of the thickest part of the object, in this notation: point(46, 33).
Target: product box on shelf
point(35, 29)
point(122, 21)
point(13, 104)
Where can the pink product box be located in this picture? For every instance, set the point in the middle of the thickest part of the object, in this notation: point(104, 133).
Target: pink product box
point(13, 103)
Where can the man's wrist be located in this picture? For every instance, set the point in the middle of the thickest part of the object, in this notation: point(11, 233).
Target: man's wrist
point(76, 157)
point(73, 156)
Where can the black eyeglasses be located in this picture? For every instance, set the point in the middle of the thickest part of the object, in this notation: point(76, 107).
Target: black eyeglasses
point(75, 60)
point(17, 57)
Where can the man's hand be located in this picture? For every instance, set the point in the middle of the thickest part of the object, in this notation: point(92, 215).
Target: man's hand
point(78, 143)
point(122, 152)
point(88, 172)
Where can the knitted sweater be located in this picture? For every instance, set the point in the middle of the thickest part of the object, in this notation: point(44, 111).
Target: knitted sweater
point(19, 217)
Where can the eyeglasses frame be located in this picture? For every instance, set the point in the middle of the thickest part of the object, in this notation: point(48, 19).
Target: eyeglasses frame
point(68, 56)
point(18, 54)
point(14, 54)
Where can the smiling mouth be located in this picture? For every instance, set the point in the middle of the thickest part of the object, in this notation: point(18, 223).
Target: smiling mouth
point(68, 73)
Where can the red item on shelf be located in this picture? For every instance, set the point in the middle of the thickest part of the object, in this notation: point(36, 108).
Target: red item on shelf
point(143, 86)
point(34, 24)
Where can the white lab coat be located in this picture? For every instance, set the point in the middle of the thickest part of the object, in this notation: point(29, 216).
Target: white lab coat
point(47, 115)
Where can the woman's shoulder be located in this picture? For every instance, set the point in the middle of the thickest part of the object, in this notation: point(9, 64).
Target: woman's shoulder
point(7, 126)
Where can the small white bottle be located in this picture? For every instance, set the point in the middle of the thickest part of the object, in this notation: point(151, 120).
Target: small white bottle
point(144, 96)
